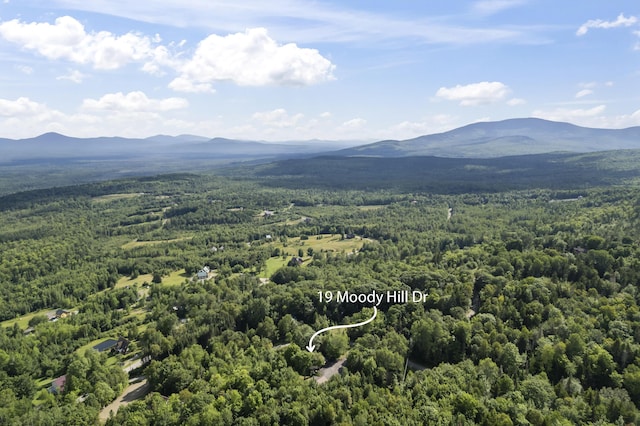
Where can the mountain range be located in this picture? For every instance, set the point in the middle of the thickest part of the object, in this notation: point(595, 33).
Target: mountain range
point(519, 136)
point(53, 159)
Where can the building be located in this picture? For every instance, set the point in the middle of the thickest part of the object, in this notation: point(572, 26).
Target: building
point(203, 273)
point(57, 385)
point(121, 346)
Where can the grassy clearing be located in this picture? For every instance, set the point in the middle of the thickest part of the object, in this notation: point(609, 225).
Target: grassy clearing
point(128, 281)
point(273, 264)
point(176, 277)
point(136, 243)
point(112, 197)
point(43, 382)
point(139, 313)
point(321, 242)
point(316, 242)
point(23, 321)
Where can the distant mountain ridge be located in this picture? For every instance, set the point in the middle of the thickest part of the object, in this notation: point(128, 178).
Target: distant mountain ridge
point(517, 136)
point(55, 146)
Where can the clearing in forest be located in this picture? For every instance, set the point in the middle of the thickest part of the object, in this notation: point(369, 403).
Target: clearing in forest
point(326, 242)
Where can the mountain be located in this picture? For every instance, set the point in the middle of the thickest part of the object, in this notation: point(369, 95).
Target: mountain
point(179, 138)
point(162, 148)
point(519, 136)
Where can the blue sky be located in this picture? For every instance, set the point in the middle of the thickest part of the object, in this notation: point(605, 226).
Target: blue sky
point(297, 70)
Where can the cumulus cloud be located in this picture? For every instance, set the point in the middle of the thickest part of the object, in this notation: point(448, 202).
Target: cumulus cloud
point(67, 39)
point(353, 124)
point(621, 21)
point(251, 58)
point(584, 92)
point(591, 117)
point(20, 107)
point(475, 94)
point(133, 101)
point(279, 118)
point(570, 115)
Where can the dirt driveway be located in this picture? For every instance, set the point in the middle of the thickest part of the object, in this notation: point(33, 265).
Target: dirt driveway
point(324, 374)
point(136, 390)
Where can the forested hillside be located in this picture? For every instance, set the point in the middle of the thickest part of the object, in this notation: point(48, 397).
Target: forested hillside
point(531, 314)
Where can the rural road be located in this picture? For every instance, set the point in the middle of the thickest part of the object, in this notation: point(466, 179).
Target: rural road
point(135, 390)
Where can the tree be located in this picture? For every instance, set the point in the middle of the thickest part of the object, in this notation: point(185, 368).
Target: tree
point(333, 345)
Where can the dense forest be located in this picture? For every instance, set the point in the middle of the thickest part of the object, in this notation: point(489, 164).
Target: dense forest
point(532, 313)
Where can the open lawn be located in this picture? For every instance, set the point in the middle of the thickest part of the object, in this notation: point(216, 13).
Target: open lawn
point(316, 242)
point(176, 277)
point(273, 264)
point(324, 242)
point(128, 281)
point(23, 321)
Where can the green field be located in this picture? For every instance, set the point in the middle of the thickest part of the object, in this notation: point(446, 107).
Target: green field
point(321, 242)
point(23, 321)
point(174, 278)
point(273, 264)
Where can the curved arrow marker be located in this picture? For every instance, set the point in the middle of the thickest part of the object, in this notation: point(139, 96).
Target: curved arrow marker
point(311, 346)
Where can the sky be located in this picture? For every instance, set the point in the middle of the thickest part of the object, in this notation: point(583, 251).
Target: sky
point(298, 70)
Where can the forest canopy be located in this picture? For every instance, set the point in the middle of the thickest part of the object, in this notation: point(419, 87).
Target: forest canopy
point(531, 314)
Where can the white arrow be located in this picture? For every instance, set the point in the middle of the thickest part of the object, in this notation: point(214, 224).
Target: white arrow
point(311, 346)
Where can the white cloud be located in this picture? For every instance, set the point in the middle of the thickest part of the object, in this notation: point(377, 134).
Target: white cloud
point(621, 21)
point(475, 94)
point(73, 75)
point(584, 92)
point(251, 58)
point(516, 101)
point(182, 84)
point(67, 39)
point(22, 106)
point(133, 101)
point(305, 21)
point(354, 123)
point(592, 117)
point(579, 115)
point(278, 118)
point(428, 125)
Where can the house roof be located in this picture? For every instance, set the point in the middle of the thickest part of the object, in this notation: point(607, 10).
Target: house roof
point(106, 345)
point(57, 385)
